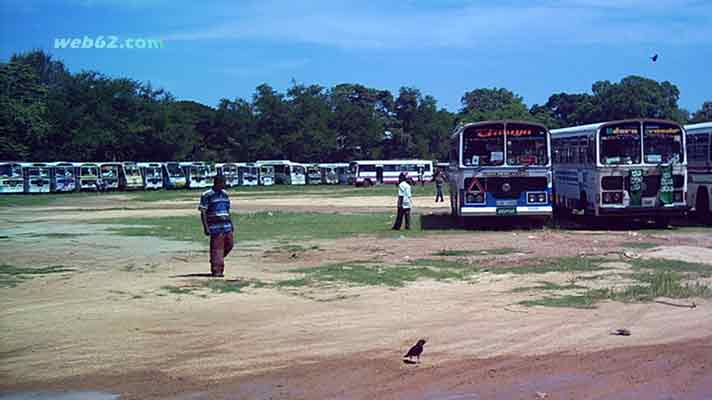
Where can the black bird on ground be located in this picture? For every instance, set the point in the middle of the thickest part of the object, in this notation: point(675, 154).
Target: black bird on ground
point(416, 350)
point(654, 57)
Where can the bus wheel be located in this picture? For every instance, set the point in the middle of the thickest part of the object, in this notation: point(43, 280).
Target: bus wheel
point(582, 204)
point(702, 205)
point(661, 222)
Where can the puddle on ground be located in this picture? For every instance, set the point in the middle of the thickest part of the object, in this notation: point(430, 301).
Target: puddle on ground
point(59, 396)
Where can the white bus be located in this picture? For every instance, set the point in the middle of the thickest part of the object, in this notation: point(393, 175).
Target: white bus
point(266, 175)
point(628, 168)
point(152, 174)
point(197, 174)
point(37, 177)
point(130, 176)
point(173, 175)
point(341, 170)
point(372, 172)
point(63, 177)
point(109, 175)
point(88, 174)
point(286, 172)
point(313, 174)
point(11, 179)
point(248, 174)
point(500, 168)
point(699, 169)
point(230, 172)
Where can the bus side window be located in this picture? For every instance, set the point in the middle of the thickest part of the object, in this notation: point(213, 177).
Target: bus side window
point(591, 151)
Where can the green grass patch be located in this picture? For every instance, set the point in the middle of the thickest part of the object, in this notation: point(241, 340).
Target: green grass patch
point(586, 300)
point(660, 284)
point(220, 286)
point(55, 235)
point(640, 245)
point(35, 200)
point(445, 264)
point(11, 276)
point(292, 248)
point(659, 264)
point(560, 264)
point(265, 226)
point(461, 253)
point(651, 286)
point(368, 274)
point(544, 285)
point(179, 289)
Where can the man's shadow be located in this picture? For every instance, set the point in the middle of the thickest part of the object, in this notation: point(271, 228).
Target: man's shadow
point(407, 361)
point(194, 275)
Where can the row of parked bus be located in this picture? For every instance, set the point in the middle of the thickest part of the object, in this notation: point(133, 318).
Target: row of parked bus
point(56, 177)
point(644, 168)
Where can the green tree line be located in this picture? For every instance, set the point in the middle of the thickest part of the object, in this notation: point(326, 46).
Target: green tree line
point(49, 113)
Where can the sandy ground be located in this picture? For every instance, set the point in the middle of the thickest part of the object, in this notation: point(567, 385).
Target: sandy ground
point(111, 325)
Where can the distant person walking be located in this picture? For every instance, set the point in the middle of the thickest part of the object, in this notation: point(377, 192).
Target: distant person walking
point(439, 182)
point(215, 214)
point(405, 202)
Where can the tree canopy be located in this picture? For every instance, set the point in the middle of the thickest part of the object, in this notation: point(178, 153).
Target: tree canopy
point(48, 113)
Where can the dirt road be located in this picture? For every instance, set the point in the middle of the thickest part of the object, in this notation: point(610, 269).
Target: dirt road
point(122, 321)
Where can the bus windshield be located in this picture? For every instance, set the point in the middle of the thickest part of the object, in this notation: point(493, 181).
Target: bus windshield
point(153, 171)
point(662, 143)
point(132, 170)
point(526, 145)
point(298, 170)
point(64, 171)
point(109, 171)
point(89, 171)
point(10, 170)
point(483, 145)
point(620, 144)
point(174, 170)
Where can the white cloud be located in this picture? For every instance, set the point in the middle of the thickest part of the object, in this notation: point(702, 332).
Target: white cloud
point(362, 25)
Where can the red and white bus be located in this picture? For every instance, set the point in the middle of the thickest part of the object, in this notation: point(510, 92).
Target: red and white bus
point(373, 172)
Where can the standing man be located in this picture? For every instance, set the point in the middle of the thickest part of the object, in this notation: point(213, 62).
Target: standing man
point(439, 181)
point(405, 202)
point(215, 214)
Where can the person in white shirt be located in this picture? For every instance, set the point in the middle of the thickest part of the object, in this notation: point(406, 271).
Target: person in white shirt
point(405, 202)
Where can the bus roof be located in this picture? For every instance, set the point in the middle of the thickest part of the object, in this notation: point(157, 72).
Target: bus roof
point(595, 127)
point(700, 126)
point(391, 162)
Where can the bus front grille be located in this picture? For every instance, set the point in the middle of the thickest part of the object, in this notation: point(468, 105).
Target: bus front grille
point(509, 187)
point(651, 185)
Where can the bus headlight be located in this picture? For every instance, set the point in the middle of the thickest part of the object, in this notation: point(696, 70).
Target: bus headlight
point(612, 197)
point(677, 196)
point(536, 197)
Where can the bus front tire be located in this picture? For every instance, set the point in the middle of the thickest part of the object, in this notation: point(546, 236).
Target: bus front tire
point(702, 205)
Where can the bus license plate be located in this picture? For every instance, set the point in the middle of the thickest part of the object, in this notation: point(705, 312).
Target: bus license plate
point(507, 211)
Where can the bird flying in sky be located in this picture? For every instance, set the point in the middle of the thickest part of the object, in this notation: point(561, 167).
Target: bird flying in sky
point(654, 57)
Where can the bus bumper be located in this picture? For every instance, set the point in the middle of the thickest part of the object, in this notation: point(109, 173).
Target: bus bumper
point(677, 211)
point(513, 211)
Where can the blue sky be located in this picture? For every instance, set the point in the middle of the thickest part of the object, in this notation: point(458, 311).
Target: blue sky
point(224, 49)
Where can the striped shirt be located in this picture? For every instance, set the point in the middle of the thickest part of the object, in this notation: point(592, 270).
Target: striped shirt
point(217, 209)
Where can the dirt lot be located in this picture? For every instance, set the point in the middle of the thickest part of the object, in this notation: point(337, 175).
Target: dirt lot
point(114, 324)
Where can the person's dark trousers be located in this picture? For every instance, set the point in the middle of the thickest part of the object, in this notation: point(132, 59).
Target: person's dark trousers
point(402, 213)
point(439, 194)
